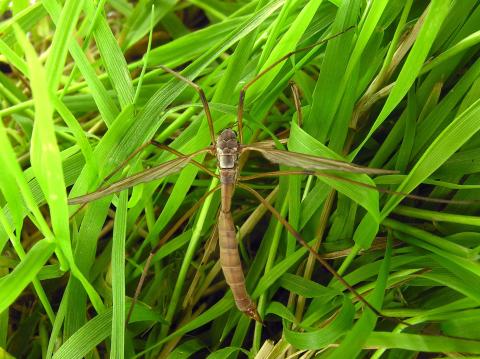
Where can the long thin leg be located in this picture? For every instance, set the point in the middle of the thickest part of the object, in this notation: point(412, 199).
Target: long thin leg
point(310, 249)
point(161, 146)
point(115, 171)
point(175, 227)
point(126, 161)
point(296, 100)
point(256, 78)
point(378, 189)
point(179, 154)
point(165, 238)
point(202, 98)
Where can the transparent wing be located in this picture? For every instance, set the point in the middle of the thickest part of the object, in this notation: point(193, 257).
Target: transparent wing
point(296, 159)
point(148, 175)
point(267, 144)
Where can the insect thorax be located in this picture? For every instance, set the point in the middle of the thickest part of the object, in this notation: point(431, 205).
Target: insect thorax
point(227, 149)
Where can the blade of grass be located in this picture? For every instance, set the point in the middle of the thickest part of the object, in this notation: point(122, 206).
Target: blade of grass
point(118, 278)
point(59, 48)
point(47, 165)
point(105, 104)
point(14, 283)
point(438, 11)
point(422, 343)
point(112, 57)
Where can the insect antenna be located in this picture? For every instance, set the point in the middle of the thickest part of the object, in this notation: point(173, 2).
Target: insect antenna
point(244, 89)
point(200, 92)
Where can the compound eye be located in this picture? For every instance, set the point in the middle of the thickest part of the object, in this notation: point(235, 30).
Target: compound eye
point(232, 143)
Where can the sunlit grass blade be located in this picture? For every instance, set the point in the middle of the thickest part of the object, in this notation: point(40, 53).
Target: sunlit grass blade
point(437, 12)
point(65, 27)
point(46, 161)
point(47, 165)
point(105, 104)
point(446, 144)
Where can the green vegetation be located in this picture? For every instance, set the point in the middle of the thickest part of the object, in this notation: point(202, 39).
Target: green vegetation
point(81, 90)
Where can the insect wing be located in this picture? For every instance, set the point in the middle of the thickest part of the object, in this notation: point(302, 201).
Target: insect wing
point(267, 144)
point(148, 175)
point(296, 159)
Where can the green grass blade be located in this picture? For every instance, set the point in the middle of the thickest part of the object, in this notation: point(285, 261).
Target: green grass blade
point(445, 145)
point(437, 12)
point(24, 273)
point(300, 141)
point(112, 58)
point(46, 161)
point(59, 48)
point(323, 337)
point(423, 343)
point(118, 279)
point(105, 104)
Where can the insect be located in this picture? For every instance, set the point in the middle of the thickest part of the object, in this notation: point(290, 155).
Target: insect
point(227, 148)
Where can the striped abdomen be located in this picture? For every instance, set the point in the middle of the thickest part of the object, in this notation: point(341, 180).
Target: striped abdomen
point(230, 257)
point(228, 150)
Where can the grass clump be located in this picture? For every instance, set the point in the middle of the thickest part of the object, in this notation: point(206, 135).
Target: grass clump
point(81, 90)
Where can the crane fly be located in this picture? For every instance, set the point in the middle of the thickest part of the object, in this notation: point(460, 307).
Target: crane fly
point(227, 149)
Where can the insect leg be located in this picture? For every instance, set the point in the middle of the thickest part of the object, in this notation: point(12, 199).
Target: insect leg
point(115, 171)
point(244, 89)
point(361, 184)
point(321, 260)
point(179, 154)
point(202, 98)
point(125, 162)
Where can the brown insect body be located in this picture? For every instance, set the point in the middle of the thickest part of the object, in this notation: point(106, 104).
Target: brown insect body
point(228, 151)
